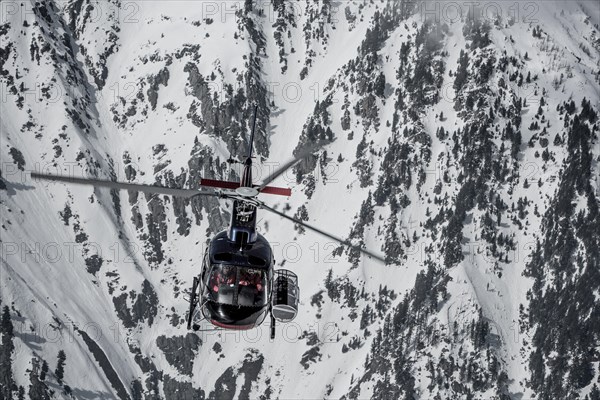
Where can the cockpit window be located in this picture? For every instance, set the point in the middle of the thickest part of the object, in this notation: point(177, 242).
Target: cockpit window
point(222, 283)
point(240, 286)
point(251, 287)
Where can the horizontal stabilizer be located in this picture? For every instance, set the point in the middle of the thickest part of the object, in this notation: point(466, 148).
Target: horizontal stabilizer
point(277, 190)
point(219, 184)
point(235, 185)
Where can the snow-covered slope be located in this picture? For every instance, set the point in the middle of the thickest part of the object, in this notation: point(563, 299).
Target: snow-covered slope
point(461, 142)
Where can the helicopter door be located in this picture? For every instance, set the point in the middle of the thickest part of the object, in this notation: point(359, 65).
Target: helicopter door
point(286, 294)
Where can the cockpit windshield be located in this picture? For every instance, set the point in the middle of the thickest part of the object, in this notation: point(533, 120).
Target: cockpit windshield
point(240, 286)
point(222, 283)
point(251, 287)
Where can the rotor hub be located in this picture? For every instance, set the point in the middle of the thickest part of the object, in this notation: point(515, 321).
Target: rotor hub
point(247, 191)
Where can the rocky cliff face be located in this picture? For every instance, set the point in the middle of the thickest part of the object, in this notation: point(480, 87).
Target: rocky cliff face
point(460, 141)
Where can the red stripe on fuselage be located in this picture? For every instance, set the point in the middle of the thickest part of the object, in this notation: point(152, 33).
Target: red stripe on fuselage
point(232, 327)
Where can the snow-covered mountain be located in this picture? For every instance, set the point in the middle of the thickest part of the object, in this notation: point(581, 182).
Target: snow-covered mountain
point(461, 142)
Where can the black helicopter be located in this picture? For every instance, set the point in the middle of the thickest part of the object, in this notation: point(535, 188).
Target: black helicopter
point(238, 286)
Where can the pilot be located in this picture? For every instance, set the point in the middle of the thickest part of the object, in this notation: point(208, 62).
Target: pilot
point(227, 277)
point(252, 278)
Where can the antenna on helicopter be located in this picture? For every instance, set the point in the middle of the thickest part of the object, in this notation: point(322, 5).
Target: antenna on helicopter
point(253, 130)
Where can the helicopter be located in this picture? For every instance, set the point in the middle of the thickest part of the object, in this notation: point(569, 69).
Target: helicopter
point(238, 286)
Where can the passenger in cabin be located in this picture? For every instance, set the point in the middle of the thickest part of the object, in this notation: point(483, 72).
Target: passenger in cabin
point(249, 277)
point(222, 277)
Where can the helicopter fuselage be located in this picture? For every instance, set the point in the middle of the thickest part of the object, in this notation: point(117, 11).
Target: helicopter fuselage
point(236, 282)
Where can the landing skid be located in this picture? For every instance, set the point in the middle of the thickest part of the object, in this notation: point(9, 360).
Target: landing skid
point(193, 305)
point(272, 323)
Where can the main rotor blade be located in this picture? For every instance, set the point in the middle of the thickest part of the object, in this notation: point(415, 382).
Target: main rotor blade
point(303, 154)
point(185, 193)
point(330, 236)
